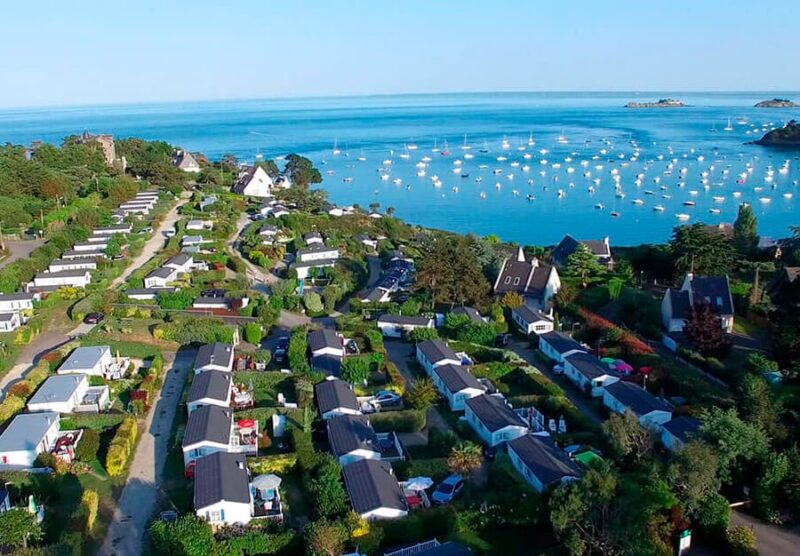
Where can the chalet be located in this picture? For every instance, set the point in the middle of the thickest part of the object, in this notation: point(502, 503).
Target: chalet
point(328, 365)
point(72, 254)
point(325, 342)
point(185, 161)
point(206, 202)
point(557, 345)
point(352, 438)
point(77, 263)
point(395, 326)
point(112, 230)
point(313, 238)
point(456, 384)
point(600, 248)
point(677, 304)
point(470, 312)
point(540, 462)
point(253, 181)
point(374, 491)
point(181, 262)
point(147, 293)
point(334, 398)
point(588, 373)
point(28, 435)
point(676, 432)
point(317, 252)
point(222, 489)
point(95, 361)
point(198, 225)
point(432, 353)
point(280, 210)
point(48, 281)
point(10, 322)
point(651, 411)
point(214, 357)
point(69, 393)
point(537, 283)
point(377, 295)
point(531, 321)
point(210, 388)
point(160, 277)
point(14, 302)
point(493, 419)
point(366, 241)
point(208, 430)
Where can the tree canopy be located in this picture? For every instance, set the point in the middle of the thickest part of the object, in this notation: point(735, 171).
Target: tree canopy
point(449, 272)
point(702, 249)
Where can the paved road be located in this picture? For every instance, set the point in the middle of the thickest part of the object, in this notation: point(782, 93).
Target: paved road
point(153, 245)
point(770, 540)
point(141, 492)
point(20, 249)
point(525, 351)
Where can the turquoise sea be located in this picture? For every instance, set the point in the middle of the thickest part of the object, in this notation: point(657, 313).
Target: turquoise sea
point(688, 161)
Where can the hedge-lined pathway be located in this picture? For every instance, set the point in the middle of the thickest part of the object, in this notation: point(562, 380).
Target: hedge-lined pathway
point(137, 503)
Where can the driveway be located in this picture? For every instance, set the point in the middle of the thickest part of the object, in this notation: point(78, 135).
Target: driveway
point(20, 249)
point(526, 352)
point(153, 245)
point(141, 492)
point(770, 539)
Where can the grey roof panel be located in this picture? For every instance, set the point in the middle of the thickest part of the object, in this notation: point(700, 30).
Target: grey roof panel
point(437, 350)
point(457, 378)
point(494, 413)
point(221, 477)
point(543, 458)
point(637, 399)
point(371, 485)
point(57, 388)
point(215, 385)
point(334, 394)
point(209, 423)
point(347, 433)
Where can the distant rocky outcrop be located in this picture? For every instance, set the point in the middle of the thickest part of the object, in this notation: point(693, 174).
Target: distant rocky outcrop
point(777, 103)
point(663, 103)
point(786, 136)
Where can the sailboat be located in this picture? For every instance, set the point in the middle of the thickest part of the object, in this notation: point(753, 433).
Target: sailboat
point(485, 148)
point(728, 127)
point(531, 142)
point(465, 147)
point(562, 139)
point(336, 151)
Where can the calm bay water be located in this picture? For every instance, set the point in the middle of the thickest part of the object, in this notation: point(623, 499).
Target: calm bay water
point(654, 157)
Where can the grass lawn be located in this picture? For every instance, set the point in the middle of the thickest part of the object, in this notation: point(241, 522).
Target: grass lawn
point(267, 386)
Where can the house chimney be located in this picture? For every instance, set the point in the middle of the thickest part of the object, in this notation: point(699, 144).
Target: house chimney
point(240, 464)
point(520, 255)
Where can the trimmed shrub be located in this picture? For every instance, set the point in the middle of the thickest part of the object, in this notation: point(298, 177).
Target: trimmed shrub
point(88, 446)
point(252, 333)
point(375, 340)
point(89, 504)
point(95, 421)
point(279, 464)
point(121, 446)
point(21, 389)
point(398, 421)
point(307, 457)
point(39, 373)
point(420, 334)
point(396, 378)
point(10, 406)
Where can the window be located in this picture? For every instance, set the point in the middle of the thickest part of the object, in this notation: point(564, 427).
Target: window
point(508, 280)
point(719, 301)
point(214, 516)
point(516, 281)
point(541, 327)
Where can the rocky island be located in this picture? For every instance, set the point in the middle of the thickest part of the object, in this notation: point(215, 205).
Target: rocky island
point(662, 103)
point(777, 103)
point(786, 136)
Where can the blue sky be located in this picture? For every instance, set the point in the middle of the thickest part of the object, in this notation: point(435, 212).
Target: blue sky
point(83, 52)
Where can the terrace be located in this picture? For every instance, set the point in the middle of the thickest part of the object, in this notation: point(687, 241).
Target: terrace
point(266, 498)
point(64, 445)
point(244, 437)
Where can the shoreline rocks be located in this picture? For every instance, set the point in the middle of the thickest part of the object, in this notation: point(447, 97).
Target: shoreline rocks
point(777, 103)
point(786, 136)
point(662, 103)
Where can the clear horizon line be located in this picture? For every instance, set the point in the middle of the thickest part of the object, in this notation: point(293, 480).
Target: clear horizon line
point(378, 95)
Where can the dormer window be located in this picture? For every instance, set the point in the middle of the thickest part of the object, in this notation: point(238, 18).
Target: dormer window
point(719, 301)
point(508, 279)
point(516, 281)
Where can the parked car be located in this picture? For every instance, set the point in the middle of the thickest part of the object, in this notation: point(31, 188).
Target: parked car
point(146, 230)
point(94, 318)
point(448, 490)
point(501, 340)
point(385, 398)
point(279, 354)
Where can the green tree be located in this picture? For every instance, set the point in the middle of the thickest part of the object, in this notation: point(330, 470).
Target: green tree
point(325, 538)
point(736, 442)
point(270, 168)
point(767, 491)
point(465, 458)
point(692, 476)
point(758, 406)
point(702, 249)
point(330, 499)
point(252, 333)
point(313, 302)
point(356, 369)
point(703, 328)
point(449, 273)
point(115, 244)
point(422, 395)
point(742, 541)
point(18, 527)
point(187, 536)
point(301, 171)
point(410, 307)
point(745, 231)
point(88, 446)
point(512, 300)
point(629, 441)
point(583, 264)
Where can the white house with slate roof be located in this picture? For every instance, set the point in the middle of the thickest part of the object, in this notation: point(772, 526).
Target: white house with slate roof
point(28, 435)
point(14, 302)
point(652, 412)
point(209, 388)
point(676, 432)
point(334, 398)
point(432, 353)
point(600, 248)
point(352, 438)
point(540, 462)
point(95, 361)
point(181, 262)
point(10, 322)
point(184, 160)
point(208, 430)
point(456, 384)
point(394, 326)
point(78, 263)
point(160, 277)
point(253, 181)
point(493, 419)
point(588, 372)
point(715, 290)
point(54, 280)
point(531, 321)
point(214, 357)
point(536, 282)
point(557, 345)
point(222, 489)
point(374, 491)
point(325, 342)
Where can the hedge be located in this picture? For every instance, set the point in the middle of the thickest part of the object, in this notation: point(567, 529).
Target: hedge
point(375, 340)
point(39, 373)
point(307, 457)
point(435, 468)
point(396, 378)
point(89, 504)
point(409, 420)
point(278, 464)
point(10, 406)
point(121, 446)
